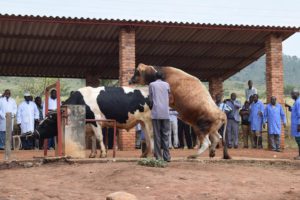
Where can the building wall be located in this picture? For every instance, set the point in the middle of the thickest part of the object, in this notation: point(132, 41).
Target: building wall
point(127, 67)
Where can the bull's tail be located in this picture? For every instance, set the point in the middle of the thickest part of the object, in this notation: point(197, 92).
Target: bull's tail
point(225, 149)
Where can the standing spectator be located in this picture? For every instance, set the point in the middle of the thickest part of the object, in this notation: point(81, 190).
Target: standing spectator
point(184, 131)
point(173, 129)
point(244, 113)
point(138, 136)
point(226, 109)
point(233, 121)
point(8, 104)
point(295, 119)
point(39, 105)
point(159, 91)
point(52, 106)
point(27, 116)
point(250, 90)
point(272, 115)
point(256, 121)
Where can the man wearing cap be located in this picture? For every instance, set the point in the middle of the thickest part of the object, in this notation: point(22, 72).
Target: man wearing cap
point(7, 104)
point(27, 115)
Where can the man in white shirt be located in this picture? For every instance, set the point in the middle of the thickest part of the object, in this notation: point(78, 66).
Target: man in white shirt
point(250, 90)
point(27, 115)
point(7, 104)
point(52, 105)
point(52, 102)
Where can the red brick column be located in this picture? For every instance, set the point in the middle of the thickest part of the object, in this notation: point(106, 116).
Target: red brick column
point(274, 72)
point(127, 66)
point(92, 80)
point(215, 87)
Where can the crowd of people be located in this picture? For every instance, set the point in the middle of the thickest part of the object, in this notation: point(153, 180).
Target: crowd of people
point(27, 116)
point(253, 116)
point(169, 131)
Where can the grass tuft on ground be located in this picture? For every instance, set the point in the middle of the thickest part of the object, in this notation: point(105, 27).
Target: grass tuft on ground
point(150, 162)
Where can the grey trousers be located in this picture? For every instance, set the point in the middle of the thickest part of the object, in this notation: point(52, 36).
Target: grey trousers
point(275, 141)
point(174, 130)
point(161, 130)
point(232, 132)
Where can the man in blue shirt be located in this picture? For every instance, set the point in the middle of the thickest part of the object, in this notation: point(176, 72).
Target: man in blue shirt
point(273, 115)
point(233, 121)
point(159, 91)
point(256, 121)
point(295, 119)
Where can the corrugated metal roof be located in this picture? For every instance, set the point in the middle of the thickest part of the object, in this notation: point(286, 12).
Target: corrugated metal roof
point(73, 47)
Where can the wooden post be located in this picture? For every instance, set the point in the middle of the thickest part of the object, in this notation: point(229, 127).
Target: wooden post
point(8, 136)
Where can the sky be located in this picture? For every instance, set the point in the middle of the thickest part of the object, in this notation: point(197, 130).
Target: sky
point(254, 12)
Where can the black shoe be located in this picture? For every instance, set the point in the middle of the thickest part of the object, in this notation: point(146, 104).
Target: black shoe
point(229, 146)
point(236, 147)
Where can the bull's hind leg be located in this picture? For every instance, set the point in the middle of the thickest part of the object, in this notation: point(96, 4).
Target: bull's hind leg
point(214, 138)
point(204, 144)
point(98, 134)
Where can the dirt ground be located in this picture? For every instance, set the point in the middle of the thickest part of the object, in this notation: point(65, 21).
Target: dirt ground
point(249, 153)
point(178, 181)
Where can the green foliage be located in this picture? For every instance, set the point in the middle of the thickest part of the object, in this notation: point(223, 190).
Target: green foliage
point(256, 71)
point(288, 89)
point(109, 82)
point(150, 162)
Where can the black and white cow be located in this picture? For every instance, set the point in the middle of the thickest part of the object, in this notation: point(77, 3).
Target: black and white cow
point(128, 106)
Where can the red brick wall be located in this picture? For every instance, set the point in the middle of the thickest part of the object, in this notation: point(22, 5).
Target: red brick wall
point(274, 72)
point(127, 66)
point(215, 87)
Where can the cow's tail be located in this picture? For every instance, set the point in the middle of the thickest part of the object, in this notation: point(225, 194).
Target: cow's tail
point(225, 149)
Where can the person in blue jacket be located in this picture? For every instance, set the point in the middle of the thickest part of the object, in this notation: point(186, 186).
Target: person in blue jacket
point(256, 121)
point(274, 115)
point(295, 119)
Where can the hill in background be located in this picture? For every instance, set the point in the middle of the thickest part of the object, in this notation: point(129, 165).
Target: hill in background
point(256, 72)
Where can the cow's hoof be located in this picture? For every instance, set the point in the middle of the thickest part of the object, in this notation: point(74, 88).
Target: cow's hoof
point(212, 153)
point(192, 156)
point(227, 157)
point(92, 155)
point(103, 155)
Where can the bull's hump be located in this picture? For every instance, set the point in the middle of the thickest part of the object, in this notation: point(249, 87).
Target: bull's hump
point(118, 102)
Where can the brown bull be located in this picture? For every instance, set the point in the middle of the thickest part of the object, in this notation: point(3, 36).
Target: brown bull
point(193, 103)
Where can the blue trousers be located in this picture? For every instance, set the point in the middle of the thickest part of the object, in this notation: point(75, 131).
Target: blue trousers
point(2, 139)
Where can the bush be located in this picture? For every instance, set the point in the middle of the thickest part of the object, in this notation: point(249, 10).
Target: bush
point(152, 162)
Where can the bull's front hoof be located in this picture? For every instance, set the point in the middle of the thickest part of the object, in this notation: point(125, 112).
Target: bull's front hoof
point(92, 155)
point(193, 156)
point(212, 153)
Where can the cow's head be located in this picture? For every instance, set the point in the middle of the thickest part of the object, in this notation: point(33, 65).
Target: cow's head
point(48, 127)
point(143, 74)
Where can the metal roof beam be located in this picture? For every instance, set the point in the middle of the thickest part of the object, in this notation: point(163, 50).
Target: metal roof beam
point(116, 41)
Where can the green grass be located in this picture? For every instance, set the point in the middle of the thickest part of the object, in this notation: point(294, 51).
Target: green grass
point(151, 162)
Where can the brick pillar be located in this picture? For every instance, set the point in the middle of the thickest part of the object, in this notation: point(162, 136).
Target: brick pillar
point(215, 87)
point(126, 67)
point(274, 72)
point(92, 80)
